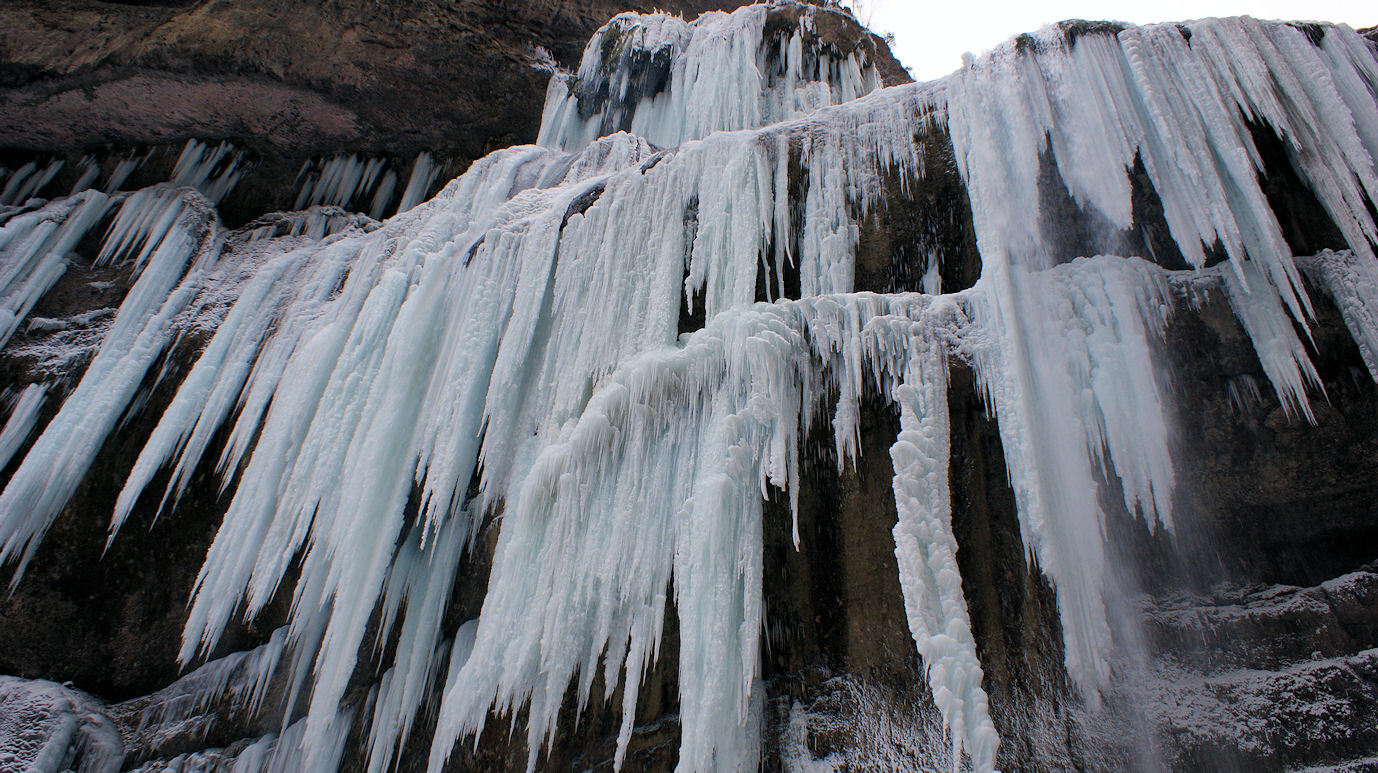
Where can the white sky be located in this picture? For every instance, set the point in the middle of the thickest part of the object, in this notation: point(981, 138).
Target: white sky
point(930, 37)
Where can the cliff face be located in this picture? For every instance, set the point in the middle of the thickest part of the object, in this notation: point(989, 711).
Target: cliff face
point(1244, 637)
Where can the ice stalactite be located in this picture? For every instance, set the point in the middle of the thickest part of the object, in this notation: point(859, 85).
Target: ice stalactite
point(926, 552)
point(27, 181)
point(1065, 359)
point(338, 180)
point(90, 172)
point(34, 250)
point(423, 173)
point(343, 180)
point(123, 168)
point(1352, 283)
point(213, 171)
point(170, 236)
point(669, 80)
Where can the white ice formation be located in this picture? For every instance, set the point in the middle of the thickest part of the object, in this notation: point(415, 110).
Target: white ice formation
point(670, 81)
point(514, 346)
point(340, 180)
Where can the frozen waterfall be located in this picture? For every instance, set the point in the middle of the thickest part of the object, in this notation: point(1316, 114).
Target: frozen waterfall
point(515, 350)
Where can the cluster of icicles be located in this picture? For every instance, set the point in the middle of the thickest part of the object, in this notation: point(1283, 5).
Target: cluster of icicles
point(512, 346)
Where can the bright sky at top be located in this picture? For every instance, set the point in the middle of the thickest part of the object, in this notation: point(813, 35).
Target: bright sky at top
point(930, 38)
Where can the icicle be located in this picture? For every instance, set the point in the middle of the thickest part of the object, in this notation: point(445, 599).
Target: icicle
point(423, 173)
point(28, 181)
point(121, 173)
point(1352, 283)
point(213, 171)
point(23, 418)
point(340, 180)
point(1280, 351)
point(185, 230)
point(926, 552)
point(34, 249)
point(90, 172)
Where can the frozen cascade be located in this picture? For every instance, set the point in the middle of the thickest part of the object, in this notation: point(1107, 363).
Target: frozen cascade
point(1094, 107)
point(520, 330)
point(669, 80)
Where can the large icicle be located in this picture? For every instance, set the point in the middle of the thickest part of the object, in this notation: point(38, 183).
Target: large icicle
point(926, 552)
point(23, 418)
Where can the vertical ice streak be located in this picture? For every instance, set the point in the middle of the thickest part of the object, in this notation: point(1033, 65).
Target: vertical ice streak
point(1065, 359)
point(1280, 351)
point(423, 173)
point(926, 552)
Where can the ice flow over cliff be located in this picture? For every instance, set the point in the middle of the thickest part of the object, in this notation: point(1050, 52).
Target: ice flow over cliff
point(515, 347)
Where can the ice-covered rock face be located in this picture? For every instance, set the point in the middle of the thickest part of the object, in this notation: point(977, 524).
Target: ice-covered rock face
point(524, 343)
point(670, 80)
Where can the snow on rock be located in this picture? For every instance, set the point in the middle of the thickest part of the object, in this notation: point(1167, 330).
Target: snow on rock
point(46, 726)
